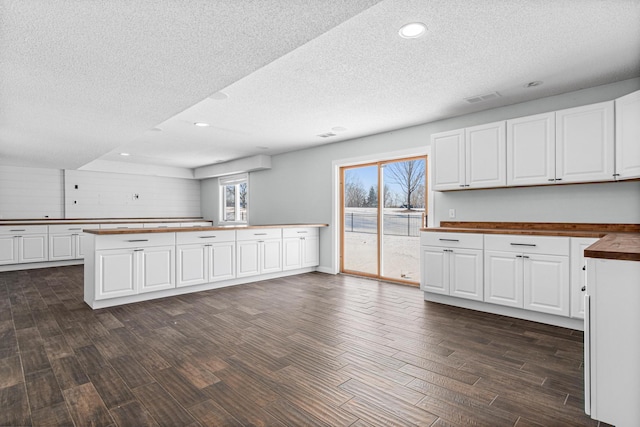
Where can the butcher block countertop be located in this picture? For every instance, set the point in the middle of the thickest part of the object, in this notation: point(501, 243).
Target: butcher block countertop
point(617, 241)
point(188, 229)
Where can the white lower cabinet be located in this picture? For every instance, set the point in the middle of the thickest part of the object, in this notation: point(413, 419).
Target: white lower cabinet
point(300, 248)
point(23, 244)
point(503, 279)
point(131, 264)
point(578, 274)
point(451, 264)
point(530, 272)
point(67, 241)
point(205, 257)
point(258, 251)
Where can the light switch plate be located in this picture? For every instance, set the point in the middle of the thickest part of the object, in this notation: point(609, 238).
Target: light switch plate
point(452, 213)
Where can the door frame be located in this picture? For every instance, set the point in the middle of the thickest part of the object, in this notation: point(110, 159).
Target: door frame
point(336, 202)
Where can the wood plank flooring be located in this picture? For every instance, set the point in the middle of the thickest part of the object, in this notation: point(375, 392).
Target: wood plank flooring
point(308, 350)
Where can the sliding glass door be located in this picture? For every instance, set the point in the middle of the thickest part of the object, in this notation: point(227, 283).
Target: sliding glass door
point(383, 209)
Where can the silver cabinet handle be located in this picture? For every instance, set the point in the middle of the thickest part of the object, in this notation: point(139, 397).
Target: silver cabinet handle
point(74, 229)
point(138, 250)
point(584, 288)
point(260, 234)
point(18, 229)
point(122, 228)
point(207, 237)
point(138, 240)
point(301, 232)
point(449, 240)
point(523, 244)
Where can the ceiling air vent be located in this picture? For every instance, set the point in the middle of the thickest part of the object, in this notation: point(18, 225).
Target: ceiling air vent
point(327, 135)
point(482, 98)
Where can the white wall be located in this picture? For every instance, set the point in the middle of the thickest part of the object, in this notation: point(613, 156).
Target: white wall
point(50, 193)
point(111, 195)
point(31, 193)
point(298, 188)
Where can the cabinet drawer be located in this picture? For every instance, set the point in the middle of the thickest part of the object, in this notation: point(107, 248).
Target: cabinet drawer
point(300, 232)
point(213, 236)
point(70, 228)
point(452, 240)
point(259, 234)
point(19, 230)
point(138, 240)
point(111, 226)
point(530, 244)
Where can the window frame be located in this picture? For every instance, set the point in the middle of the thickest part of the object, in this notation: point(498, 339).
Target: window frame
point(233, 180)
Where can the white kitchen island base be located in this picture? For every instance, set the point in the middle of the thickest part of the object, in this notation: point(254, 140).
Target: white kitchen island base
point(111, 302)
point(123, 267)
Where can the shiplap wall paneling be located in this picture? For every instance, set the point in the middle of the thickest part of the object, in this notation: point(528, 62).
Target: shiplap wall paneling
point(110, 195)
point(31, 193)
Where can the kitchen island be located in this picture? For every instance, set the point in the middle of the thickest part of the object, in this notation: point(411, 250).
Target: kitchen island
point(130, 265)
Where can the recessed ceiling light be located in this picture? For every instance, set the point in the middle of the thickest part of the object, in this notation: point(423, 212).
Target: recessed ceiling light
point(201, 125)
point(125, 154)
point(533, 84)
point(412, 30)
point(262, 148)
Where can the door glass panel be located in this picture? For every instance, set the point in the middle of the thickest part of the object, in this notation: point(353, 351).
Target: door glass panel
point(360, 238)
point(404, 206)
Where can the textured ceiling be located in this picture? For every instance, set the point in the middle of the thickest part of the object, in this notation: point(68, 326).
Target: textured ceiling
point(84, 81)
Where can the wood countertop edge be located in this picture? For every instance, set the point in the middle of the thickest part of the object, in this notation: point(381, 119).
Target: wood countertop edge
point(188, 229)
point(616, 246)
point(558, 233)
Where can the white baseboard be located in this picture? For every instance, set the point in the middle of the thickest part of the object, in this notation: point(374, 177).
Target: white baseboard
point(44, 264)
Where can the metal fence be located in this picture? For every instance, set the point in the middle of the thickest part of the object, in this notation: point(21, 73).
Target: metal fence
point(393, 224)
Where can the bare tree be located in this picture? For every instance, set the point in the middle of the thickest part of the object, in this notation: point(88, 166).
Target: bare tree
point(409, 175)
point(355, 196)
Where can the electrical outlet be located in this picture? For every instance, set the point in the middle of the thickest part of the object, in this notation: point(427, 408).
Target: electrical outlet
point(452, 213)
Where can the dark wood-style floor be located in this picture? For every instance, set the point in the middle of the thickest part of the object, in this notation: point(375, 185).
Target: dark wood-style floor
point(313, 349)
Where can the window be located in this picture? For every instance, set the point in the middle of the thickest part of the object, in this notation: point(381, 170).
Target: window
point(234, 193)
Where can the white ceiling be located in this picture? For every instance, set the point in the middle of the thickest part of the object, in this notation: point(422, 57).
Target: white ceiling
point(82, 81)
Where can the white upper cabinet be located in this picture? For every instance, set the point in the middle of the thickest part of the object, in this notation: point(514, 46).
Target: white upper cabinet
point(585, 143)
point(447, 167)
point(531, 145)
point(485, 159)
point(628, 136)
point(469, 158)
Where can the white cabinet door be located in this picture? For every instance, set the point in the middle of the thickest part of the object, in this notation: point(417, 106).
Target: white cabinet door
point(192, 267)
point(34, 248)
point(292, 253)
point(157, 268)
point(531, 145)
point(435, 270)
point(222, 261)
point(81, 245)
point(447, 167)
point(271, 256)
point(466, 279)
point(115, 273)
point(628, 136)
point(62, 246)
point(585, 143)
point(546, 283)
point(8, 249)
point(503, 278)
point(577, 274)
point(485, 156)
point(248, 258)
point(311, 251)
